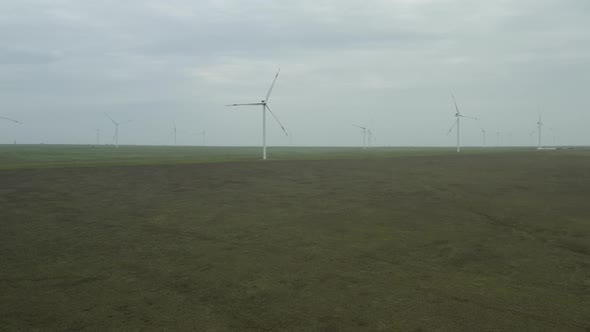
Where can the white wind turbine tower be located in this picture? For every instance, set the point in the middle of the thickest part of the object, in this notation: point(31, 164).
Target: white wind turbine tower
point(364, 136)
point(174, 122)
point(458, 115)
point(483, 131)
point(203, 133)
point(539, 125)
point(116, 129)
point(264, 104)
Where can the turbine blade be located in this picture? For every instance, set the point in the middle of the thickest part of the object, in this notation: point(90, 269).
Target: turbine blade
point(111, 119)
point(9, 119)
point(249, 104)
point(363, 128)
point(455, 102)
point(469, 117)
point(272, 85)
point(279, 122)
point(453, 127)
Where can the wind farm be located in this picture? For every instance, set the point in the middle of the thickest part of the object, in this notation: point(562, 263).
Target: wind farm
point(294, 166)
point(265, 232)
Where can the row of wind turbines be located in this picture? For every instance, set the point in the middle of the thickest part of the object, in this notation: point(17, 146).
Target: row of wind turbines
point(116, 137)
point(366, 131)
point(264, 103)
point(457, 124)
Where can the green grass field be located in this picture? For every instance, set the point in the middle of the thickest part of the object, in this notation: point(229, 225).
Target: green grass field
point(316, 239)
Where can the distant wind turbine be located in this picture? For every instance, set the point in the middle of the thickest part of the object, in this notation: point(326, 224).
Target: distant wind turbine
point(174, 122)
point(458, 115)
point(204, 134)
point(264, 104)
point(116, 129)
point(483, 131)
point(364, 136)
point(539, 125)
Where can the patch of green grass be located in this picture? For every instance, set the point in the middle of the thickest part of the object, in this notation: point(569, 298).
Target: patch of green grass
point(396, 240)
point(51, 156)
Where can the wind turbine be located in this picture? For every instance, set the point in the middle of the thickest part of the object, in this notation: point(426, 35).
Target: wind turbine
point(174, 122)
point(539, 125)
point(483, 131)
point(458, 115)
point(364, 136)
point(116, 129)
point(264, 104)
point(204, 133)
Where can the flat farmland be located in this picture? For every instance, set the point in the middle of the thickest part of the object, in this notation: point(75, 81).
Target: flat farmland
point(314, 240)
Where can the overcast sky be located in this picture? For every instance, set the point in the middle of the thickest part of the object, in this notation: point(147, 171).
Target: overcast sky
point(389, 65)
